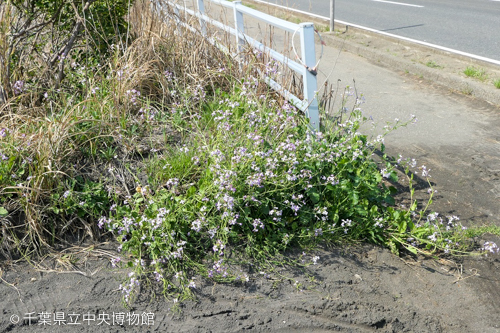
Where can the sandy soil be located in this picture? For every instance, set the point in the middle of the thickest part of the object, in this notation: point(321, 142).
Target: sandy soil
point(357, 289)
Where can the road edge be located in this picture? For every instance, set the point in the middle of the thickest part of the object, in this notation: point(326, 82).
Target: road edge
point(453, 82)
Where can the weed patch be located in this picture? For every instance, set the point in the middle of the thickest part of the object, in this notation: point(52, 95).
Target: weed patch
point(432, 64)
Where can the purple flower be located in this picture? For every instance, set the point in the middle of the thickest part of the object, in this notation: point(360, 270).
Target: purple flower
point(346, 224)
point(158, 276)
point(18, 87)
point(255, 179)
point(490, 247)
point(134, 94)
point(115, 261)
point(101, 222)
point(218, 247)
point(425, 171)
point(197, 224)
point(169, 76)
point(257, 223)
point(172, 183)
point(385, 173)
point(212, 232)
point(433, 237)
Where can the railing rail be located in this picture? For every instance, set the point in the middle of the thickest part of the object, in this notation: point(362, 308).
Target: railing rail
point(309, 104)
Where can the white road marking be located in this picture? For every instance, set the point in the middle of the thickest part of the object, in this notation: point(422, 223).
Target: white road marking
point(404, 4)
point(465, 54)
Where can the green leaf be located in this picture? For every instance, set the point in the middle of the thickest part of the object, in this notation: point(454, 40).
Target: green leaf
point(412, 249)
point(393, 190)
point(3, 212)
point(267, 145)
point(390, 200)
point(393, 176)
point(393, 247)
point(313, 195)
point(191, 191)
point(402, 227)
point(411, 226)
point(330, 187)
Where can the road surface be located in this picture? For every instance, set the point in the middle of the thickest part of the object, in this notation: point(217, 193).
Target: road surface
point(471, 26)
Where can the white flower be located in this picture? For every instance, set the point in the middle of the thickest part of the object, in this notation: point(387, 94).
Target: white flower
point(385, 173)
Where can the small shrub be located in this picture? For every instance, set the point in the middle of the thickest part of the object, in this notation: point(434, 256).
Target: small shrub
point(496, 83)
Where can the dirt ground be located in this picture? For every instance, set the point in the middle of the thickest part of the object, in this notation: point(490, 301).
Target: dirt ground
point(356, 289)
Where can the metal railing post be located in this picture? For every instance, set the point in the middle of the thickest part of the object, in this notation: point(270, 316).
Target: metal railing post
point(239, 25)
point(203, 24)
point(309, 79)
point(332, 15)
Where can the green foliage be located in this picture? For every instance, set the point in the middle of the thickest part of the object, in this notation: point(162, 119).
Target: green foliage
point(105, 19)
point(496, 83)
point(481, 230)
point(42, 40)
point(432, 64)
point(83, 198)
point(477, 73)
point(253, 181)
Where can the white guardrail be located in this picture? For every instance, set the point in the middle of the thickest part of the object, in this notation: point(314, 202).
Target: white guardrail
point(309, 105)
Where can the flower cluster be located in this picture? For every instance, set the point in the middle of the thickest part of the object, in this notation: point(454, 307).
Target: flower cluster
point(130, 287)
point(491, 247)
point(133, 95)
point(18, 87)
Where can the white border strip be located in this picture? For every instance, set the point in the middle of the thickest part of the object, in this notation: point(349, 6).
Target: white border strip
point(442, 48)
point(399, 3)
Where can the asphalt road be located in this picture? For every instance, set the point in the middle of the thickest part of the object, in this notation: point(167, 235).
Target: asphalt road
point(471, 26)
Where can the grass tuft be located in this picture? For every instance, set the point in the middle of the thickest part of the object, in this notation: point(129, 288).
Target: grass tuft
point(476, 73)
point(433, 64)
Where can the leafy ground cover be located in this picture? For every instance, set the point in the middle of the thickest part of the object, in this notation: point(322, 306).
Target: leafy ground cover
point(194, 165)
